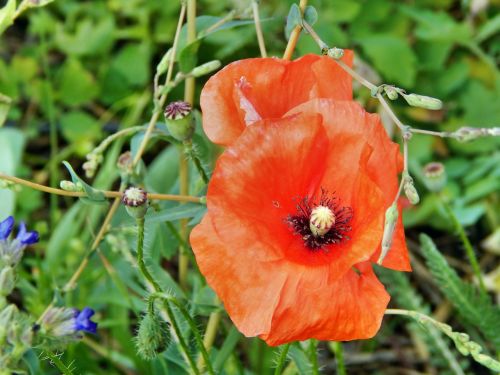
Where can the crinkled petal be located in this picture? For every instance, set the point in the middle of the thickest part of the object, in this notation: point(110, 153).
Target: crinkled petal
point(312, 306)
point(249, 90)
point(248, 286)
point(25, 237)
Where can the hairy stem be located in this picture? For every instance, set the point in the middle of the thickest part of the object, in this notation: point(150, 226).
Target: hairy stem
point(282, 359)
point(339, 358)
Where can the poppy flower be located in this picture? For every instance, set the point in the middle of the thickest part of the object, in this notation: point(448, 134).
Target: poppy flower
point(248, 90)
point(295, 214)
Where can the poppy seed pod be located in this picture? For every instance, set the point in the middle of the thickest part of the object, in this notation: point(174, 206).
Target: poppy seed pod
point(434, 176)
point(136, 202)
point(179, 120)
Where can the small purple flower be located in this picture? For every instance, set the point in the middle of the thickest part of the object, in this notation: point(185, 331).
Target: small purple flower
point(6, 227)
point(83, 322)
point(11, 250)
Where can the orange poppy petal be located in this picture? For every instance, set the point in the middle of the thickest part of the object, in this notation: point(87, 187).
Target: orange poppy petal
point(253, 89)
point(347, 309)
point(384, 163)
point(250, 289)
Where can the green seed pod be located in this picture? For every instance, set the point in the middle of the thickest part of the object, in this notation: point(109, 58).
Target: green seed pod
point(434, 176)
point(335, 53)
point(151, 337)
point(422, 101)
point(136, 202)
point(391, 219)
point(206, 68)
point(179, 120)
point(410, 190)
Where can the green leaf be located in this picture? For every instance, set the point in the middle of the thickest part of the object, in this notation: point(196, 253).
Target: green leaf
point(310, 15)
point(293, 19)
point(488, 29)
point(227, 348)
point(78, 126)
point(472, 304)
point(93, 195)
point(7, 15)
point(188, 56)
point(133, 63)
point(11, 149)
point(345, 10)
point(392, 56)
point(75, 85)
point(5, 102)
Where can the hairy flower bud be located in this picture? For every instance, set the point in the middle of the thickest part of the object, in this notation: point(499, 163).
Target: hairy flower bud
point(151, 337)
point(136, 202)
point(434, 176)
point(179, 120)
point(423, 101)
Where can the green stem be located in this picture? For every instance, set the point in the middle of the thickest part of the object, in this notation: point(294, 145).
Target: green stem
point(191, 153)
point(313, 355)
point(282, 359)
point(191, 323)
point(469, 250)
point(339, 358)
point(58, 363)
point(140, 256)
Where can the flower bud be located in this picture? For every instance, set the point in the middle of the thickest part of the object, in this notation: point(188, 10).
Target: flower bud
point(434, 176)
point(391, 219)
point(7, 281)
point(136, 202)
point(335, 53)
point(391, 92)
point(206, 68)
point(179, 120)
point(151, 338)
point(70, 186)
point(422, 101)
point(409, 188)
point(487, 361)
point(6, 316)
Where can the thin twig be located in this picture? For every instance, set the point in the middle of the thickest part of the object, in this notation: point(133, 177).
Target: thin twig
point(258, 28)
point(106, 193)
point(161, 103)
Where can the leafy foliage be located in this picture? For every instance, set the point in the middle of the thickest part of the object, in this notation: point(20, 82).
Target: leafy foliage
point(472, 304)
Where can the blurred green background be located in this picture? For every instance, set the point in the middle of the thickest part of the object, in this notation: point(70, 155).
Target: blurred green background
point(77, 71)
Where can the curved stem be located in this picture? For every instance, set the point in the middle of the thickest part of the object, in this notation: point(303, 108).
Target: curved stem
point(294, 36)
point(282, 359)
point(258, 28)
point(107, 194)
point(210, 333)
point(140, 255)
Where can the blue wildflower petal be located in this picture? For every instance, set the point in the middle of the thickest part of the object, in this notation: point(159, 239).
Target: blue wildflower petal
point(6, 228)
point(25, 237)
point(83, 322)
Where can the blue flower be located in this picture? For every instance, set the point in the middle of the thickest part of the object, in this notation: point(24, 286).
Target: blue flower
point(6, 227)
point(83, 322)
point(65, 323)
point(11, 250)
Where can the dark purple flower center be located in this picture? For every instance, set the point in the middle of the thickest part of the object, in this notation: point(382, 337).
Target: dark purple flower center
point(301, 221)
point(177, 110)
